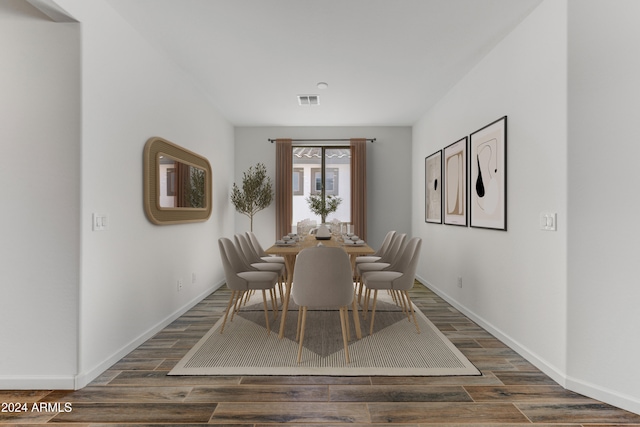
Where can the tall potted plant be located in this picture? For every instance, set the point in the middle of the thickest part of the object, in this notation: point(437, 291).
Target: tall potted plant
point(256, 193)
point(323, 206)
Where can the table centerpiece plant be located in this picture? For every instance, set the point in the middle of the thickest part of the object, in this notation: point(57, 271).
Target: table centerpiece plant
point(323, 206)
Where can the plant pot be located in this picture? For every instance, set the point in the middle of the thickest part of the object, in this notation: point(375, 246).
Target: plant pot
point(323, 233)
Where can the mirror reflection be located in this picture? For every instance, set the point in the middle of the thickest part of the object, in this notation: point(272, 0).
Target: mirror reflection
point(181, 185)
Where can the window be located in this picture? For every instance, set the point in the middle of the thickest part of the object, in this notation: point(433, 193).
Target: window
point(298, 181)
point(330, 181)
point(309, 162)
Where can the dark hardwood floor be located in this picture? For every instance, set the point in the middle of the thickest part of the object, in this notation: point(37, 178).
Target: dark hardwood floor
point(511, 392)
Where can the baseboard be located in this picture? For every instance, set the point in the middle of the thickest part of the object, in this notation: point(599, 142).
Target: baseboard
point(593, 391)
point(612, 397)
point(84, 378)
point(37, 382)
point(550, 370)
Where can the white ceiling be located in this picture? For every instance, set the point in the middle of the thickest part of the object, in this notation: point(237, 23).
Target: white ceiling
point(386, 61)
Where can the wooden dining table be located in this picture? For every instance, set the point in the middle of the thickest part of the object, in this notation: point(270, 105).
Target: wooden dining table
point(289, 253)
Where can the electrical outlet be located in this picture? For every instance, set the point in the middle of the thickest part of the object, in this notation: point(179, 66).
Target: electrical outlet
point(179, 285)
point(459, 281)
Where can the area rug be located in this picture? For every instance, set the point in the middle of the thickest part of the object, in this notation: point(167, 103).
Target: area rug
point(394, 349)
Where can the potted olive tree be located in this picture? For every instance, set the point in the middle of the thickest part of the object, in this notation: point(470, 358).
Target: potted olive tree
point(323, 207)
point(256, 193)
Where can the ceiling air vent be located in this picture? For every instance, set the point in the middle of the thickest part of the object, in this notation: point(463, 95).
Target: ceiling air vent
point(308, 100)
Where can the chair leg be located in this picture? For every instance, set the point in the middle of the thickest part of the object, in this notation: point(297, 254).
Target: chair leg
point(299, 323)
point(415, 322)
point(274, 303)
point(304, 322)
point(407, 303)
point(348, 327)
point(344, 322)
point(238, 303)
point(233, 293)
point(365, 306)
point(401, 302)
point(279, 286)
point(373, 310)
point(266, 311)
point(393, 296)
point(245, 298)
point(356, 320)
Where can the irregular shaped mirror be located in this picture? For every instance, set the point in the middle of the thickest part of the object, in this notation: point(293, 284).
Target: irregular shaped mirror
point(177, 183)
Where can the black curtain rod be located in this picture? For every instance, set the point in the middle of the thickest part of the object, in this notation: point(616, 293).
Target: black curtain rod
point(322, 140)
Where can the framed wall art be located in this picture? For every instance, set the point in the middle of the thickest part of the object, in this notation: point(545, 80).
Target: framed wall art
point(455, 183)
point(433, 188)
point(488, 176)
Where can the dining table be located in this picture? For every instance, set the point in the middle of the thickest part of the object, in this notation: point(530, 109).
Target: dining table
point(289, 251)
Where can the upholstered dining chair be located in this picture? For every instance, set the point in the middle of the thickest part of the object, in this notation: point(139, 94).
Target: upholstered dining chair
point(259, 250)
point(386, 261)
point(386, 243)
point(398, 280)
point(240, 280)
point(252, 258)
point(253, 261)
point(323, 278)
point(376, 257)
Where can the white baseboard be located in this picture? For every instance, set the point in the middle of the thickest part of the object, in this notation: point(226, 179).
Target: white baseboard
point(538, 362)
point(37, 382)
point(84, 378)
point(611, 397)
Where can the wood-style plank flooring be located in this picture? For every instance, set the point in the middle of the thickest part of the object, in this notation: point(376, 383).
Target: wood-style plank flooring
point(511, 392)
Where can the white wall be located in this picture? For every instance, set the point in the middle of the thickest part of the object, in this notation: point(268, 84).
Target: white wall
point(78, 104)
point(40, 173)
point(604, 291)
point(514, 282)
point(131, 92)
point(388, 173)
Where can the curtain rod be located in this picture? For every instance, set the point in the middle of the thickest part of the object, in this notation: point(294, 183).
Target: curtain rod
point(321, 140)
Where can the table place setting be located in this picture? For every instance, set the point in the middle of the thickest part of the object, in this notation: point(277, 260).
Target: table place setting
point(288, 240)
point(351, 239)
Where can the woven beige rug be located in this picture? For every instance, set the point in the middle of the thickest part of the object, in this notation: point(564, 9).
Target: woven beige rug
point(394, 349)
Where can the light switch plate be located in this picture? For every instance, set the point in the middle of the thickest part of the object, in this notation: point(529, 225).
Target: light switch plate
point(99, 222)
point(548, 221)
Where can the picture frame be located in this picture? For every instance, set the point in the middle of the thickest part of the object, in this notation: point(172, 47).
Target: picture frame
point(433, 188)
point(488, 176)
point(455, 183)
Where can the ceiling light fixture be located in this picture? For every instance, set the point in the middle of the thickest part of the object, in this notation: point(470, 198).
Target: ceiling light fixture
point(322, 85)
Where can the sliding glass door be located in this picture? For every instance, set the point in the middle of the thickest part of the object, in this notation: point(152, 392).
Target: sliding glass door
point(321, 171)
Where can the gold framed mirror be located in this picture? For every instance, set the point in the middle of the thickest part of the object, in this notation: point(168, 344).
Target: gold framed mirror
point(177, 183)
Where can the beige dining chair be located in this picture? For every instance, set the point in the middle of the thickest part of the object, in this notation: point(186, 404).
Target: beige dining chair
point(399, 280)
point(386, 261)
point(241, 281)
point(259, 250)
point(323, 278)
point(377, 255)
point(253, 261)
